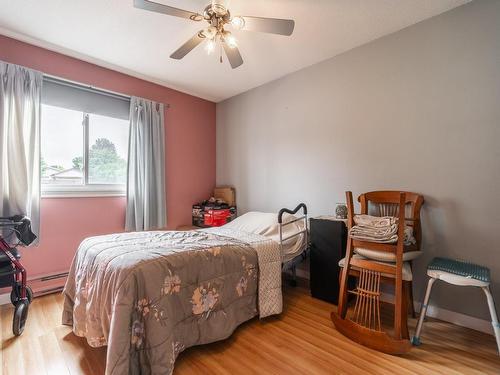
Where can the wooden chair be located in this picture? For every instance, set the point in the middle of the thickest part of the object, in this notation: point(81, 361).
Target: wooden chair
point(378, 203)
point(364, 327)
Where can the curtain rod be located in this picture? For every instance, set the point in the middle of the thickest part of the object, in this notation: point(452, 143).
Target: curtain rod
point(79, 85)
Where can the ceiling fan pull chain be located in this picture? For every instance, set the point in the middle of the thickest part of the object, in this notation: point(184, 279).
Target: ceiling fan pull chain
point(220, 52)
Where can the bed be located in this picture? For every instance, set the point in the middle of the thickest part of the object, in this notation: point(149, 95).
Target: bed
point(149, 295)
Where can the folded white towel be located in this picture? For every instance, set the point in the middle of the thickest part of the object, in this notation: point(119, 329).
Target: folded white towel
point(379, 229)
point(375, 221)
point(367, 237)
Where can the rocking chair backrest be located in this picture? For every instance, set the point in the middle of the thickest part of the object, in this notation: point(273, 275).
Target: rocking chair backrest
point(386, 203)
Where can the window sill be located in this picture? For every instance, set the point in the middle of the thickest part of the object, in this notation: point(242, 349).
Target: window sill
point(75, 192)
point(82, 195)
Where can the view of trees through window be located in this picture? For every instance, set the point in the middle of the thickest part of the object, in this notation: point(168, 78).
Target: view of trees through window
point(63, 135)
point(105, 165)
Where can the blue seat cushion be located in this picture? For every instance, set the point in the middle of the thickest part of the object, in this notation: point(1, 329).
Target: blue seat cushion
point(461, 268)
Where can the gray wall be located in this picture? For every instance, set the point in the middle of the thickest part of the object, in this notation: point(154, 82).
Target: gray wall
point(417, 110)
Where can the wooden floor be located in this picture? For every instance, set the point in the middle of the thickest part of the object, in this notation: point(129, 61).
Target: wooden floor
point(301, 341)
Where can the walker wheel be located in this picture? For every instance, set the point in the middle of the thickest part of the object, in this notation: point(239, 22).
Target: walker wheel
point(15, 294)
point(20, 317)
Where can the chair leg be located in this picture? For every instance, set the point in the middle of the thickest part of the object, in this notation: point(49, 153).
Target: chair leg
point(404, 322)
point(407, 286)
point(493, 313)
point(423, 310)
point(410, 296)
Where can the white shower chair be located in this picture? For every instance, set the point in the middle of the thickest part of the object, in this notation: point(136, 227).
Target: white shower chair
point(459, 273)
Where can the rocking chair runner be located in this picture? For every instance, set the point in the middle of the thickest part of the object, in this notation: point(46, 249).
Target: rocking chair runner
point(364, 325)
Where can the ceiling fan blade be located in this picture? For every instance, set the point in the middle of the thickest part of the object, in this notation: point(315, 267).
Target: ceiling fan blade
point(188, 46)
point(233, 55)
point(165, 9)
point(269, 25)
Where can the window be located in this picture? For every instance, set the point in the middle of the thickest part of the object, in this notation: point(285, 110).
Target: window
point(84, 142)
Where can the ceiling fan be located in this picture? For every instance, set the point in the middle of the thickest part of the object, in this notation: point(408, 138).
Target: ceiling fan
point(218, 17)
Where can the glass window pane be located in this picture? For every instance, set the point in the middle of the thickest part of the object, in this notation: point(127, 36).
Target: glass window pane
point(108, 150)
point(61, 146)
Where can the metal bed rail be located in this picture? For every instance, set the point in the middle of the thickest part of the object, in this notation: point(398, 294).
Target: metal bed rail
point(291, 264)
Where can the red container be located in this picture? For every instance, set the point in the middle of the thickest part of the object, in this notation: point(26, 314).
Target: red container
point(216, 218)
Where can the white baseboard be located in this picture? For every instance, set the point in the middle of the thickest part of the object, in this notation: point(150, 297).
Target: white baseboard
point(449, 316)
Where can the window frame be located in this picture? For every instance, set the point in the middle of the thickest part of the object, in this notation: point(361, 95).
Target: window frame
point(86, 189)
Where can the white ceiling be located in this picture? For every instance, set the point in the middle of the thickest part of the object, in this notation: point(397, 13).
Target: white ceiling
point(114, 34)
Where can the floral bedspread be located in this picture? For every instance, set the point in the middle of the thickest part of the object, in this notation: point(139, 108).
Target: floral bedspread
point(150, 295)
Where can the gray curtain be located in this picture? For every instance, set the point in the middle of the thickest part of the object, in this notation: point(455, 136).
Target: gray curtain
point(146, 208)
point(20, 103)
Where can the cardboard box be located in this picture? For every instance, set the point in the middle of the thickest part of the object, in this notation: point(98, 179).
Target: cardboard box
point(227, 194)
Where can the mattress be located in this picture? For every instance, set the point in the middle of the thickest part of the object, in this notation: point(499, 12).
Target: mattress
point(266, 224)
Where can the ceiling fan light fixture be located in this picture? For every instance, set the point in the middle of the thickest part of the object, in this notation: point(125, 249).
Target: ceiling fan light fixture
point(230, 40)
point(210, 46)
point(210, 32)
point(238, 22)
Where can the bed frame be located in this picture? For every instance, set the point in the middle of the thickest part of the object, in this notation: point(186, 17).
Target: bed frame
point(291, 265)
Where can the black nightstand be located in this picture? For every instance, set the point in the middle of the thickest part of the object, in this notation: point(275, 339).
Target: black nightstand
point(328, 245)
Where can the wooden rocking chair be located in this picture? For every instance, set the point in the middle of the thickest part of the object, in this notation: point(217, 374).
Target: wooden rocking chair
point(364, 325)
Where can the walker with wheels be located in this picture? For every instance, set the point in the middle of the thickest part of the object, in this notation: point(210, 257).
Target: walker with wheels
point(12, 272)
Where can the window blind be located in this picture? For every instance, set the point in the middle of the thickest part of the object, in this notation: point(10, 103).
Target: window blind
point(87, 99)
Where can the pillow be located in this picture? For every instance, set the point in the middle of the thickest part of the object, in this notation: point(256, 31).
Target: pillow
point(383, 256)
point(266, 224)
point(254, 222)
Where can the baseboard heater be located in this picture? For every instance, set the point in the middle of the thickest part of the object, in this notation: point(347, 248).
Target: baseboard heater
point(43, 279)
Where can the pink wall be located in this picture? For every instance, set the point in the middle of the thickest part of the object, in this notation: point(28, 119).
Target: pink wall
point(190, 159)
